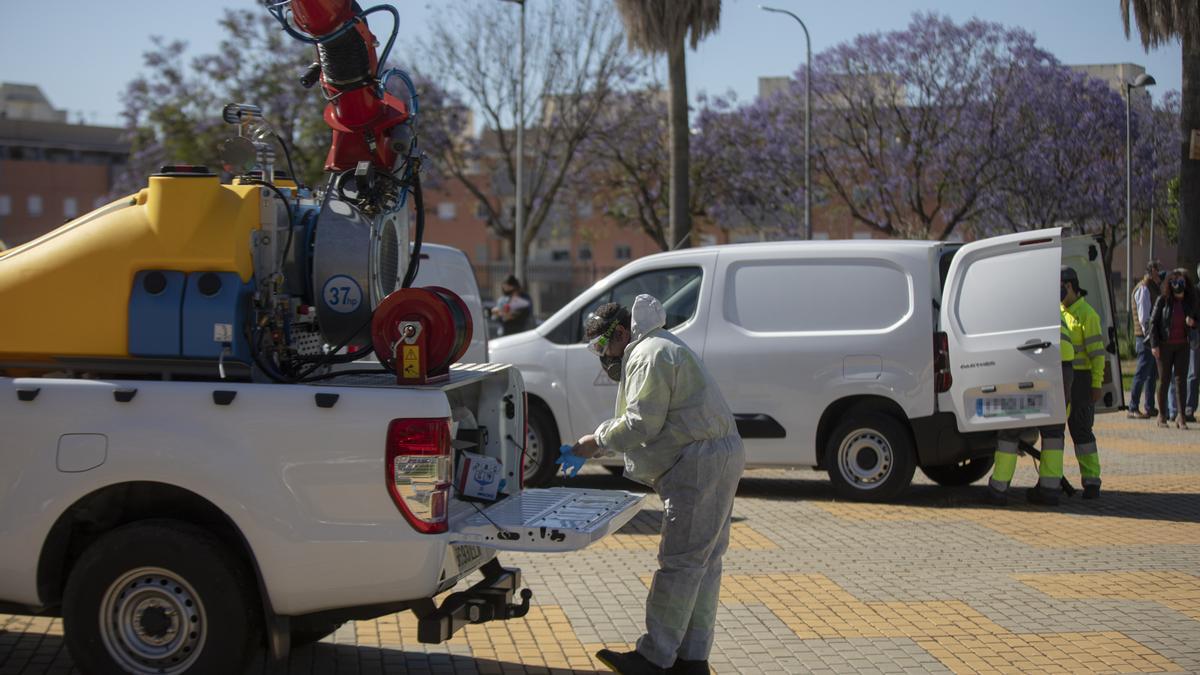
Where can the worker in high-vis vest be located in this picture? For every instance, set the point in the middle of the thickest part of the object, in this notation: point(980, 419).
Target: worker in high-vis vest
point(1088, 340)
point(1050, 468)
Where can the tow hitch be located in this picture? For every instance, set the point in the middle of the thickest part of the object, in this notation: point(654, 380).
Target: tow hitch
point(488, 600)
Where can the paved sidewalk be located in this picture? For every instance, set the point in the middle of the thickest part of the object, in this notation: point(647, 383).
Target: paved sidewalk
point(934, 583)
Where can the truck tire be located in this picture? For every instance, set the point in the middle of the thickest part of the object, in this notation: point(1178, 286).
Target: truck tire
point(869, 456)
point(964, 473)
point(160, 596)
point(541, 447)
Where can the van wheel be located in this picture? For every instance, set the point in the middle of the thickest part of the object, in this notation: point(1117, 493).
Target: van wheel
point(160, 597)
point(963, 473)
point(541, 447)
point(869, 457)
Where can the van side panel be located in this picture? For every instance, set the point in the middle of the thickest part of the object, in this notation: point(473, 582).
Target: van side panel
point(794, 330)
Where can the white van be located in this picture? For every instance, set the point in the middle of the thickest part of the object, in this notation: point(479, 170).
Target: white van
point(865, 358)
point(449, 267)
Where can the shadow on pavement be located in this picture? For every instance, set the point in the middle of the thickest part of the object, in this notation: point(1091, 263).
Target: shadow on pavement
point(39, 654)
point(1172, 507)
point(323, 657)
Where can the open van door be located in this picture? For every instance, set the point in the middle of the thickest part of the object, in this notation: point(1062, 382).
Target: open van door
point(1085, 253)
point(1000, 313)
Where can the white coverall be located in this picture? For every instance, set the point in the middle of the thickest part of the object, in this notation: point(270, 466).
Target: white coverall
point(679, 438)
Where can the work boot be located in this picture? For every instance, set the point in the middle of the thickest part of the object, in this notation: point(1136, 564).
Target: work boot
point(1091, 491)
point(1043, 496)
point(995, 497)
point(628, 663)
point(685, 667)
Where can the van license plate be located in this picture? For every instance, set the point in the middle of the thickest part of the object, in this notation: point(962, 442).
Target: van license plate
point(1007, 406)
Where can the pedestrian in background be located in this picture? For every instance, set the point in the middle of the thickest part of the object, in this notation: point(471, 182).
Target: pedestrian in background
point(1146, 375)
point(1173, 318)
point(514, 308)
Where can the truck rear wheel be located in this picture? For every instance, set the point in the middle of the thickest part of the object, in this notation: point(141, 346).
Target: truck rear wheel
point(869, 456)
point(964, 473)
point(160, 597)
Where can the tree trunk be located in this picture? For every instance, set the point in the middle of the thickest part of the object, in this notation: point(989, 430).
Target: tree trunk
point(1189, 170)
point(677, 111)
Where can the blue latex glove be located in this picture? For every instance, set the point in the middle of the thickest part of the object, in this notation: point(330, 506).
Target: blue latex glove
point(569, 461)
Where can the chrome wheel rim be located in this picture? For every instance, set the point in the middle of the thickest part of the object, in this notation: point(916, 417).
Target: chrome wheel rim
point(865, 458)
point(532, 460)
point(152, 621)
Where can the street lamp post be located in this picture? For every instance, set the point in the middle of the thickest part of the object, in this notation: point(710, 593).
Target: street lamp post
point(807, 118)
point(1142, 80)
point(519, 225)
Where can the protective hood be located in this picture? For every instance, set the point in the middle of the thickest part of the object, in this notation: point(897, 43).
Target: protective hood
point(646, 315)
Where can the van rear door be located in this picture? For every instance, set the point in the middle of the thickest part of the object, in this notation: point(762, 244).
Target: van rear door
point(1086, 254)
point(1000, 313)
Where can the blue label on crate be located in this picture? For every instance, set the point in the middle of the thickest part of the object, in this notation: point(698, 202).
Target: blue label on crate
point(342, 294)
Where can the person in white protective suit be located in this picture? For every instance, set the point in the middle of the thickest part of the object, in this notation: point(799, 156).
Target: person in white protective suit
point(678, 437)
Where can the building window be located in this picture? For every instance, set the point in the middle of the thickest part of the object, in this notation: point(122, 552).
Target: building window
point(622, 252)
point(446, 210)
point(5, 205)
point(481, 211)
point(585, 210)
point(820, 236)
point(585, 252)
point(70, 207)
point(862, 235)
point(560, 255)
point(34, 205)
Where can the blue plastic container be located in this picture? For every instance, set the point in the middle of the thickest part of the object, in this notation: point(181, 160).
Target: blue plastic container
point(155, 306)
point(214, 316)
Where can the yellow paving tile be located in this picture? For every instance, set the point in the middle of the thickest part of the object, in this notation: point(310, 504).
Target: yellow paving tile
point(741, 537)
point(1172, 442)
point(813, 606)
point(1177, 590)
point(1108, 652)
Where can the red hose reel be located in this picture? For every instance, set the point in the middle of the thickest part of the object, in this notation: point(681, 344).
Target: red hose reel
point(419, 332)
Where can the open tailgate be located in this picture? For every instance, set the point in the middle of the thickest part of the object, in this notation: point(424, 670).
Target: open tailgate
point(552, 519)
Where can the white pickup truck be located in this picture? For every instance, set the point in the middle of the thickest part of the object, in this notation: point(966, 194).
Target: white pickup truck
point(174, 523)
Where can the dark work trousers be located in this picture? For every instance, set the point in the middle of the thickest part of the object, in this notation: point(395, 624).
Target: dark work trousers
point(1079, 422)
point(1172, 371)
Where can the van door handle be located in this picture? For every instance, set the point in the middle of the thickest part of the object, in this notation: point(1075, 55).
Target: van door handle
point(1034, 345)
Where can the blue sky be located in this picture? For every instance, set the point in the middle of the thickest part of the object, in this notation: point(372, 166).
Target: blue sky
point(82, 52)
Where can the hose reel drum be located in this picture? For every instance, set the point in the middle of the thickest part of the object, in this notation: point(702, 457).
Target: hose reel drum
point(419, 332)
point(356, 263)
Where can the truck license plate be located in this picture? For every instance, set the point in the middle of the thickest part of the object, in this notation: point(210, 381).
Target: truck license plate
point(1007, 406)
point(466, 554)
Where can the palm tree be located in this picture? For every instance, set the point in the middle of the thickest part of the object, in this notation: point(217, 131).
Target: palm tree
point(1160, 22)
point(664, 27)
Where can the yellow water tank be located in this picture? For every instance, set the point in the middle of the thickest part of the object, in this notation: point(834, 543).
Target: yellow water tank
point(66, 294)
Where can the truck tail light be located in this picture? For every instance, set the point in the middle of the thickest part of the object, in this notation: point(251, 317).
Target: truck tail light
point(942, 379)
point(419, 467)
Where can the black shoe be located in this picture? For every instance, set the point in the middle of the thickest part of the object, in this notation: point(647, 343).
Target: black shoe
point(1152, 412)
point(995, 497)
point(1091, 491)
point(627, 663)
point(684, 667)
point(1040, 495)
point(1189, 418)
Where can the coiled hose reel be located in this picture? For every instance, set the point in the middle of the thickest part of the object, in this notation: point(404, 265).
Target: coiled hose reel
point(418, 332)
